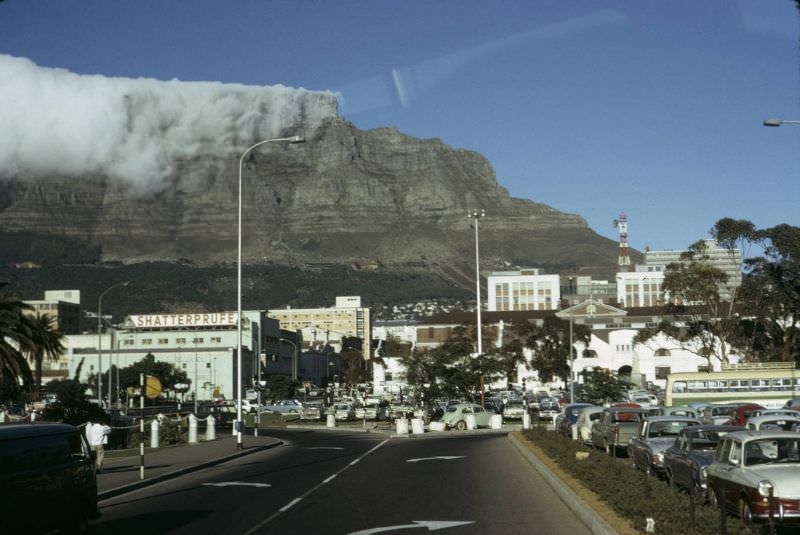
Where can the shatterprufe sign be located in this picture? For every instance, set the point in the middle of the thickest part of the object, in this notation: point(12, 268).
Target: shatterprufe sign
point(207, 319)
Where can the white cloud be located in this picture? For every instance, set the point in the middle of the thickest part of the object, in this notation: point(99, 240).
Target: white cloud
point(57, 122)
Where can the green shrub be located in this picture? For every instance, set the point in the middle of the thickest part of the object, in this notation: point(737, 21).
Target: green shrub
point(630, 492)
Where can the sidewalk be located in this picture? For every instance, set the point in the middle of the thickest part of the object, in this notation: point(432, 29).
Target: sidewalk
point(121, 474)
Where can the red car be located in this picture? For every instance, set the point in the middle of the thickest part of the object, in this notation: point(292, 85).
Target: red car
point(742, 413)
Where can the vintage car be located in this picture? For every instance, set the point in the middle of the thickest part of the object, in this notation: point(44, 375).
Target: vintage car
point(568, 418)
point(312, 410)
point(693, 450)
point(616, 427)
point(371, 409)
point(749, 467)
point(585, 422)
point(286, 406)
point(773, 422)
point(343, 412)
point(654, 435)
point(687, 412)
point(400, 410)
point(718, 414)
point(743, 412)
point(549, 408)
point(513, 410)
point(772, 412)
point(455, 416)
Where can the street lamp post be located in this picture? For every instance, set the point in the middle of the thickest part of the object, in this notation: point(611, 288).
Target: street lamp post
point(778, 122)
point(292, 139)
point(476, 214)
point(294, 357)
point(100, 343)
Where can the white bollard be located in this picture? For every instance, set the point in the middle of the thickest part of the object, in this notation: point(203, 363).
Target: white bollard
point(417, 426)
point(496, 422)
point(330, 421)
point(2, 417)
point(470, 421)
point(154, 434)
point(526, 421)
point(402, 426)
point(233, 427)
point(192, 429)
point(211, 430)
point(437, 426)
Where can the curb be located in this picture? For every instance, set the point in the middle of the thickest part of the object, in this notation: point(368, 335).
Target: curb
point(124, 489)
point(587, 515)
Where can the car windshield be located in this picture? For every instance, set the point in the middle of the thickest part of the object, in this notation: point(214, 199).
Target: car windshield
point(666, 429)
point(772, 450)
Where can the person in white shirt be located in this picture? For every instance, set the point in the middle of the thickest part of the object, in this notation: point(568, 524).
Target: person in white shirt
point(98, 437)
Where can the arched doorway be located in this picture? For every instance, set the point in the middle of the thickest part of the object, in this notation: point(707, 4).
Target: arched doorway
point(625, 372)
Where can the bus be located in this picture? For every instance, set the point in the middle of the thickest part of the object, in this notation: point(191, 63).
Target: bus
point(770, 384)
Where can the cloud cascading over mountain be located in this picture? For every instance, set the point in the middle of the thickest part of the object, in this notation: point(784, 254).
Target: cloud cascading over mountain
point(58, 122)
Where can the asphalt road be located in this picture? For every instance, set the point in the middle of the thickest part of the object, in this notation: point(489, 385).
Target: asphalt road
point(325, 482)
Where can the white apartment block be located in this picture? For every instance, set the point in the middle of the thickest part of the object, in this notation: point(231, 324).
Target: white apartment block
point(522, 290)
point(322, 326)
point(640, 288)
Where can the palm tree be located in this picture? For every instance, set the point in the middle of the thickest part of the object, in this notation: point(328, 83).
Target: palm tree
point(15, 335)
point(45, 342)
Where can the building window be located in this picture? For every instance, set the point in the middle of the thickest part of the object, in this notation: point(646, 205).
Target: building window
point(388, 376)
point(216, 339)
point(147, 341)
point(197, 340)
point(662, 372)
point(180, 340)
point(208, 364)
point(163, 341)
point(127, 342)
point(183, 365)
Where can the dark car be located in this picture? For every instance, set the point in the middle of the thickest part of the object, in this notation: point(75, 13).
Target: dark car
point(685, 461)
point(50, 466)
point(568, 417)
point(742, 413)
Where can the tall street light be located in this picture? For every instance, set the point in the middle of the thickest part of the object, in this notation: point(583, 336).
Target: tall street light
point(292, 139)
point(476, 214)
point(100, 344)
point(294, 357)
point(778, 122)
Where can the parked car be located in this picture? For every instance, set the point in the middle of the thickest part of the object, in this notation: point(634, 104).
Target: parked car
point(344, 412)
point(47, 478)
point(748, 466)
point(686, 412)
point(773, 422)
point(455, 416)
point(371, 409)
point(568, 418)
point(513, 410)
point(286, 406)
point(654, 435)
point(616, 427)
point(719, 414)
point(585, 422)
point(686, 460)
point(312, 410)
point(400, 410)
point(549, 408)
point(742, 412)
point(773, 412)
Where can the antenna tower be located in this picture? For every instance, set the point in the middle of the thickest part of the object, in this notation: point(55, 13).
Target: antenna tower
point(624, 260)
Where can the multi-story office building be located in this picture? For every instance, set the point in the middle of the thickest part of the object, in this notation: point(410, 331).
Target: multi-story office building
point(323, 326)
point(523, 290)
point(64, 306)
point(640, 288)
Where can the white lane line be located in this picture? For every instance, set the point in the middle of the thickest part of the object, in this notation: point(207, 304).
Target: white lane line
point(290, 504)
point(354, 462)
point(324, 448)
point(236, 484)
point(308, 492)
point(329, 479)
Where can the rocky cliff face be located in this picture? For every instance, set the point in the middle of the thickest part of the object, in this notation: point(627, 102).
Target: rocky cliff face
point(366, 198)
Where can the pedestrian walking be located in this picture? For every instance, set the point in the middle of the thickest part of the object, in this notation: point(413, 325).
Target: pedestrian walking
point(98, 438)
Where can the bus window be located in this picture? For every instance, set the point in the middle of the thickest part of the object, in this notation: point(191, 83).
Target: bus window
point(679, 387)
point(696, 385)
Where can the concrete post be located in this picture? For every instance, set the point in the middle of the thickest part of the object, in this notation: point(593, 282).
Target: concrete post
point(470, 421)
point(192, 429)
point(496, 421)
point(402, 426)
point(526, 420)
point(2, 417)
point(417, 426)
point(330, 421)
point(234, 427)
point(211, 431)
point(154, 433)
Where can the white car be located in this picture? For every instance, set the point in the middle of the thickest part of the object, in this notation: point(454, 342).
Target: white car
point(585, 422)
point(455, 416)
point(773, 422)
point(748, 467)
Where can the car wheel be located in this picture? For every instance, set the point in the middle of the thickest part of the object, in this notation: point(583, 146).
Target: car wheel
point(461, 425)
point(745, 513)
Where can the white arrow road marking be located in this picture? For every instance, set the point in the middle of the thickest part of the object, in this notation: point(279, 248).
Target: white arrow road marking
point(236, 484)
point(432, 525)
point(324, 448)
point(442, 457)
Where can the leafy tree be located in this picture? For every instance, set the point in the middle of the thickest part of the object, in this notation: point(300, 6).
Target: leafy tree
point(168, 374)
point(279, 387)
point(14, 336)
point(71, 406)
point(771, 289)
point(353, 367)
point(45, 342)
point(550, 342)
point(601, 386)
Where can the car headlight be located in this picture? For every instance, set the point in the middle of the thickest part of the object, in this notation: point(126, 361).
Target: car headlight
point(703, 474)
point(658, 458)
point(764, 487)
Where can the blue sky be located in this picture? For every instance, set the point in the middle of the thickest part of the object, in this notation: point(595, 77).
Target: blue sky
point(648, 107)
